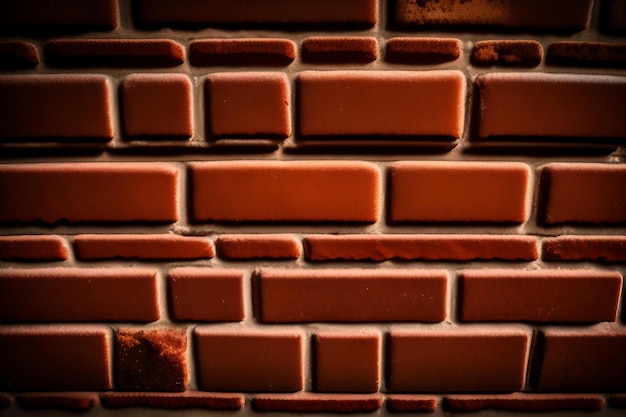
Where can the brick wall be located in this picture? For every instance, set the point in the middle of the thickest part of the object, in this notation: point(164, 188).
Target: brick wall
point(314, 205)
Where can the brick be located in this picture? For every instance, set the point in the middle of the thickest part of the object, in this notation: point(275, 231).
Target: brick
point(415, 50)
point(352, 295)
point(613, 17)
point(583, 193)
point(59, 106)
point(173, 401)
point(556, 15)
point(243, 51)
point(457, 359)
point(522, 402)
point(426, 247)
point(144, 246)
point(617, 401)
point(71, 401)
point(539, 296)
point(263, 246)
point(78, 294)
point(54, 358)
point(5, 400)
point(582, 360)
point(206, 294)
point(249, 360)
point(248, 104)
point(459, 192)
point(157, 53)
point(587, 54)
point(273, 191)
point(157, 105)
point(585, 248)
point(514, 53)
point(412, 403)
point(551, 105)
point(307, 402)
point(151, 360)
point(350, 103)
point(347, 361)
point(339, 49)
point(89, 192)
point(33, 248)
point(18, 55)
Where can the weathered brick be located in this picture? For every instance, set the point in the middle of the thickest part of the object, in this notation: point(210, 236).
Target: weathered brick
point(308, 402)
point(412, 403)
point(587, 54)
point(585, 248)
point(339, 49)
point(523, 402)
point(514, 53)
point(410, 50)
point(173, 401)
point(71, 401)
point(242, 51)
point(268, 246)
point(33, 248)
point(18, 55)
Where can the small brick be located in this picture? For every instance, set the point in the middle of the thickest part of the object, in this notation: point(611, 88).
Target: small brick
point(248, 104)
point(59, 106)
point(206, 294)
point(426, 247)
point(113, 53)
point(307, 402)
point(352, 295)
point(350, 103)
point(55, 358)
point(33, 248)
point(585, 248)
point(237, 191)
point(264, 246)
point(459, 192)
point(587, 54)
point(339, 49)
point(521, 402)
point(583, 193)
point(614, 17)
point(456, 359)
point(89, 192)
point(249, 360)
point(71, 401)
point(173, 401)
point(551, 105)
point(405, 50)
point(412, 403)
point(513, 53)
point(142, 247)
point(18, 55)
point(539, 296)
point(240, 52)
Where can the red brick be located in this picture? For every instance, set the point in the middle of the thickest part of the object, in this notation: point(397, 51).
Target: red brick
point(78, 294)
point(89, 192)
point(339, 49)
point(412, 403)
point(312, 191)
point(407, 50)
point(583, 360)
point(206, 294)
point(59, 106)
point(459, 192)
point(55, 358)
point(556, 15)
point(248, 104)
point(539, 296)
point(352, 103)
point(551, 105)
point(587, 54)
point(583, 193)
point(585, 248)
point(249, 360)
point(307, 402)
point(173, 401)
point(71, 401)
point(426, 247)
point(33, 247)
point(514, 53)
point(18, 55)
point(268, 246)
point(243, 51)
point(457, 359)
point(352, 295)
point(126, 246)
point(521, 402)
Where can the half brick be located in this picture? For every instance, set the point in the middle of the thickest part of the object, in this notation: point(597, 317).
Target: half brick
point(412, 403)
point(306, 402)
point(405, 50)
point(33, 248)
point(587, 54)
point(268, 246)
point(18, 55)
point(71, 401)
point(334, 49)
point(585, 248)
point(513, 53)
point(241, 52)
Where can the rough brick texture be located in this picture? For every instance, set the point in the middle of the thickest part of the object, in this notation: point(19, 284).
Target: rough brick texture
point(322, 49)
point(585, 248)
point(33, 247)
point(72, 401)
point(241, 52)
point(272, 246)
point(313, 402)
point(524, 402)
point(172, 401)
point(412, 50)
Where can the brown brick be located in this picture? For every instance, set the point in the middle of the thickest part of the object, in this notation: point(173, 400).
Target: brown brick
point(249, 360)
point(587, 54)
point(405, 50)
point(86, 191)
point(173, 401)
point(457, 359)
point(427, 247)
point(352, 295)
point(583, 193)
point(617, 401)
point(59, 106)
point(243, 51)
point(551, 105)
point(71, 401)
point(55, 358)
point(206, 294)
point(412, 403)
point(614, 19)
point(585, 248)
point(268, 246)
point(522, 402)
point(33, 248)
point(339, 49)
point(513, 53)
point(308, 402)
point(273, 191)
point(78, 294)
point(459, 192)
point(18, 55)
point(350, 103)
point(539, 296)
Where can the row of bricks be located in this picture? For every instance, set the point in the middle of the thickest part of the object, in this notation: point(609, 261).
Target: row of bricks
point(331, 104)
point(309, 295)
point(313, 192)
point(418, 360)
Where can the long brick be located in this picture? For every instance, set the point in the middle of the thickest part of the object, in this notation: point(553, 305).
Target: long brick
point(459, 192)
point(587, 54)
point(307, 402)
point(59, 106)
point(539, 296)
point(415, 50)
point(412, 403)
point(251, 246)
point(351, 103)
point(456, 359)
point(273, 191)
point(55, 358)
point(522, 402)
point(33, 247)
point(70, 401)
point(173, 401)
point(242, 51)
point(551, 105)
point(339, 49)
point(89, 192)
point(350, 295)
point(585, 248)
point(78, 294)
point(18, 55)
